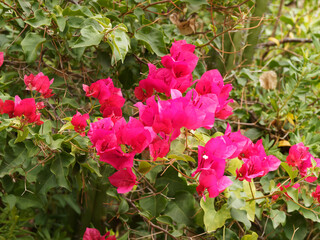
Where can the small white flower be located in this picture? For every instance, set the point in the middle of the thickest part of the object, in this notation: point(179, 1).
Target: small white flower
point(205, 157)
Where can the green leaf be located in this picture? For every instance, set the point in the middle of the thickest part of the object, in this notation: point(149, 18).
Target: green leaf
point(174, 183)
point(214, 219)
point(251, 210)
point(287, 20)
point(28, 200)
point(14, 157)
point(253, 133)
point(293, 193)
point(66, 126)
point(5, 123)
point(316, 42)
point(277, 217)
point(46, 180)
point(120, 44)
point(89, 37)
point(77, 10)
point(22, 135)
point(307, 198)
point(46, 128)
point(153, 204)
point(93, 166)
point(196, 2)
point(123, 206)
point(104, 21)
point(153, 38)
point(310, 215)
point(59, 168)
point(274, 104)
point(241, 216)
point(296, 227)
point(61, 22)
point(10, 199)
point(144, 167)
point(182, 208)
point(234, 164)
point(292, 173)
point(26, 6)
point(39, 19)
point(30, 45)
point(249, 188)
point(292, 206)
point(253, 236)
point(165, 219)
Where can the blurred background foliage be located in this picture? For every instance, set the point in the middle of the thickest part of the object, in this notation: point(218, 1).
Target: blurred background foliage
point(53, 188)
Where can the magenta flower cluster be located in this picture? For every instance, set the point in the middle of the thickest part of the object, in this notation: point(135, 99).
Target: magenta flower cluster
point(27, 110)
point(160, 120)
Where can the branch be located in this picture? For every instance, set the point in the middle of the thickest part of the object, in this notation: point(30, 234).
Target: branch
point(151, 223)
point(286, 40)
point(234, 6)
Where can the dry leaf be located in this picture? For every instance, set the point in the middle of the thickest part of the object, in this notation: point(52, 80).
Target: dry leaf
point(185, 27)
point(268, 80)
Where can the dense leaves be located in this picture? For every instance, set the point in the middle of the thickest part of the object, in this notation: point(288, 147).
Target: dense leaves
point(149, 152)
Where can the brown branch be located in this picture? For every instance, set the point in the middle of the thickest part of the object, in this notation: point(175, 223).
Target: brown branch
point(234, 6)
point(150, 223)
point(155, 3)
point(14, 9)
point(286, 40)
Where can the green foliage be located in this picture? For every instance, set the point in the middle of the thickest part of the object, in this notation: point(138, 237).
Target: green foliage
point(52, 184)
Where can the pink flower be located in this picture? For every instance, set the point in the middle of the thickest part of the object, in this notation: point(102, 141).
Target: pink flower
point(1, 59)
point(94, 234)
point(213, 155)
point(109, 97)
point(181, 53)
point(211, 82)
point(211, 165)
point(80, 122)
point(298, 154)
point(300, 157)
point(142, 94)
point(253, 167)
point(28, 109)
point(7, 107)
point(176, 74)
point(214, 183)
point(106, 138)
point(237, 140)
point(256, 162)
point(136, 135)
point(123, 180)
point(40, 83)
point(161, 80)
point(316, 193)
point(159, 148)
point(117, 158)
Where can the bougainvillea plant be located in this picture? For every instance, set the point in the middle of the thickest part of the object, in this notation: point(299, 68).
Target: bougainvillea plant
point(172, 107)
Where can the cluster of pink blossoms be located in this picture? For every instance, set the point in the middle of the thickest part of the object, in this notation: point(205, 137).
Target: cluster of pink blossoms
point(27, 109)
point(39, 83)
point(110, 97)
point(212, 161)
point(300, 158)
point(117, 141)
point(94, 234)
point(1, 58)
